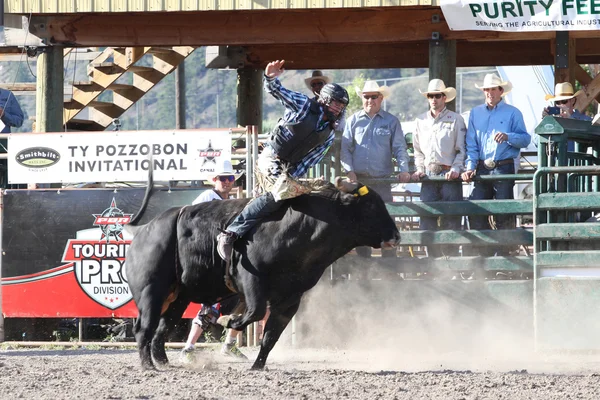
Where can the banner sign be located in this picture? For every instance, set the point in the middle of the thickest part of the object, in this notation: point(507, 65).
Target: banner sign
point(522, 16)
point(64, 251)
point(121, 156)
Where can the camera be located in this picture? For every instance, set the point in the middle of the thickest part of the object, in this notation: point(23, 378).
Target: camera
point(554, 110)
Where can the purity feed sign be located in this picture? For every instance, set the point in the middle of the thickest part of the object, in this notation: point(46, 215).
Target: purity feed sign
point(522, 15)
point(116, 156)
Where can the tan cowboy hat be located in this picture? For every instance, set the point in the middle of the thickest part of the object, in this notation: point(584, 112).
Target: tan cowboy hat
point(224, 169)
point(372, 87)
point(563, 91)
point(493, 80)
point(438, 86)
point(317, 75)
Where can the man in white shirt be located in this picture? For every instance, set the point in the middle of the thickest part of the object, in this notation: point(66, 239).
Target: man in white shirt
point(207, 314)
point(439, 146)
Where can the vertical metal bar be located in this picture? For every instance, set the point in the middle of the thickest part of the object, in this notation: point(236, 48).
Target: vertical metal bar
point(255, 337)
point(80, 330)
point(254, 152)
point(249, 335)
point(249, 175)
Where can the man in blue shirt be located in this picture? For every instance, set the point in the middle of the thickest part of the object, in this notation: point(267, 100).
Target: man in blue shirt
point(372, 137)
point(495, 135)
point(11, 116)
point(298, 142)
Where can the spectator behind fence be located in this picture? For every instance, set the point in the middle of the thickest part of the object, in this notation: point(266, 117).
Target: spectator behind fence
point(315, 83)
point(371, 138)
point(565, 100)
point(208, 314)
point(495, 135)
point(439, 146)
point(11, 115)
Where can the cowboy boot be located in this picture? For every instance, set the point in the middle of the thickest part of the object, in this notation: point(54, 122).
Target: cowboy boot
point(225, 242)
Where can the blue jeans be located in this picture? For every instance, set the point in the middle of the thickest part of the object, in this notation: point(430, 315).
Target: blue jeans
point(499, 190)
point(254, 212)
point(441, 191)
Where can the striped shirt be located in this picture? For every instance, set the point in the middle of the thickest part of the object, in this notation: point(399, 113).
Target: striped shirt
point(296, 108)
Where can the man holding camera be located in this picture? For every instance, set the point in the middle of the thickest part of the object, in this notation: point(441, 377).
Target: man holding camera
point(495, 134)
point(564, 103)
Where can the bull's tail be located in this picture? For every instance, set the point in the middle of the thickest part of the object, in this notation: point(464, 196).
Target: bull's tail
point(136, 219)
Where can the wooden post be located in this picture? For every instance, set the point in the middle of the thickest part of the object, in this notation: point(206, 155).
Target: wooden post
point(180, 96)
point(250, 95)
point(565, 58)
point(49, 96)
point(442, 64)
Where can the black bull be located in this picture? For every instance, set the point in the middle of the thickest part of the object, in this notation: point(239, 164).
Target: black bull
point(173, 260)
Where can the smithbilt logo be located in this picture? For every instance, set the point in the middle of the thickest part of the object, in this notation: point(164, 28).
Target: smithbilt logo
point(37, 157)
point(98, 256)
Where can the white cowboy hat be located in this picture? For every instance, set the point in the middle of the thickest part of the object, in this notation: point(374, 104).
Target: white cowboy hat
point(225, 168)
point(317, 76)
point(563, 91)
point(371, 87)
point(492, 81)
point(438, 86)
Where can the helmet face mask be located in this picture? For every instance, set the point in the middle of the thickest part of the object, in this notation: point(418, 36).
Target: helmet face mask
point(334, 92)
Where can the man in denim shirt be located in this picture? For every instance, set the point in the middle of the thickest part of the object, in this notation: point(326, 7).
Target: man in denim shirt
point(11, 115)
point(495, 135)
point(371, 138)
point(439, 145)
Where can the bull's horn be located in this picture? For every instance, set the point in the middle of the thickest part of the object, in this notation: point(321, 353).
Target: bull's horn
point(345, 185)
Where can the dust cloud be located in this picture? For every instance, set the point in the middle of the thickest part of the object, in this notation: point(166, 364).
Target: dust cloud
point(419, 325)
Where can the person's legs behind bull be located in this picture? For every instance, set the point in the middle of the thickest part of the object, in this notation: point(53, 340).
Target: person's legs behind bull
point(482, 190)
point(441, 191)
point(503, 190)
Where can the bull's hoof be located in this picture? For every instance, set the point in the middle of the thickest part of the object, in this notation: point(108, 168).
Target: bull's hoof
point(225, 320)
point(148, 366)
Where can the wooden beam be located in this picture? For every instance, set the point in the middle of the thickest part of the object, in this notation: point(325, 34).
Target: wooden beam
point(19, 87)
point(590, 92)
point(242, 27)
point(395, 55)
point(582, 76)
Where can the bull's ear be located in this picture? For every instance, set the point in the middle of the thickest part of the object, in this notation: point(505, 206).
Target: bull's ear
point(345, 185)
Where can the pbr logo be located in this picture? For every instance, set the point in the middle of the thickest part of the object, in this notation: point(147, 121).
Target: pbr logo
point(98, 257)
point(209, 154)
point(111, 222)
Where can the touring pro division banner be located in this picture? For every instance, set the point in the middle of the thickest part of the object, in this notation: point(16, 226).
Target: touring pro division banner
point(121, 156)
point(64, 252)
point(522, 15)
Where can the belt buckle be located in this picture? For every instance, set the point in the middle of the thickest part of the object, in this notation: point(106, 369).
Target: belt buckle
point(434, 168)
point(489, 163)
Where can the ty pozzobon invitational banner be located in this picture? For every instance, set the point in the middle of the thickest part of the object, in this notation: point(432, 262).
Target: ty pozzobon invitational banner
point(522, 15)
point(116, 156)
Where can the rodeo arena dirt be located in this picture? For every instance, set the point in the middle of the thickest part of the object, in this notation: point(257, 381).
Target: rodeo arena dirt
point(380, 353)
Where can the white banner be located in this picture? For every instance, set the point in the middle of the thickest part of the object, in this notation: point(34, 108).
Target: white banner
point(122, 156)
point(522, 15)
